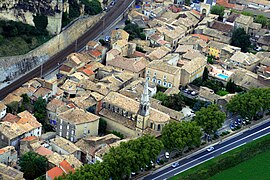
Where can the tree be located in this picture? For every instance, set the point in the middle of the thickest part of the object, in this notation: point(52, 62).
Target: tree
point(261, 19)
point(26, 99)
point(210, 59)
point(205, 74)
point(187, 2)
point(92, 7)
point(256, 101)
point(102, 126)
point(179, 136)
point(240, 39)
point(41, 22)
point(210, 119)
point(33, 165)
point(134, 31)
point(218, 10)
point(230, 86)
point(40, 110)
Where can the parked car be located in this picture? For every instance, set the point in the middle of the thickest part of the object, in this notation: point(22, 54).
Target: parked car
point(210, 149)
point(175, 164)
point(193, 93)
point(167, 155)
point(186, 90)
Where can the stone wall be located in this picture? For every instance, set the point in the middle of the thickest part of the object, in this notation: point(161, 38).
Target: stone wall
point(15, 66)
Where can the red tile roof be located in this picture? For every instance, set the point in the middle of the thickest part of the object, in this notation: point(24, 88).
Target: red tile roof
point(2, 151)
point(95, 53)
point(267, 69)
point(203, 37)
point(225, 3)
point(43, 151)
point(11, 118)
point(195, 12)
point(29, 138)
point(55, 172)
point(66, 166)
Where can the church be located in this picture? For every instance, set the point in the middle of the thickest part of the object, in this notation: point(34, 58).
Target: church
point(130, 117)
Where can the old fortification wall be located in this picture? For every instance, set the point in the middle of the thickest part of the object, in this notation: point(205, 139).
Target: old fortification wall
point(15, 66)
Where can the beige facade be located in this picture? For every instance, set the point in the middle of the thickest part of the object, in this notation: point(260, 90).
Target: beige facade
point(163, 74)
point(192, 70)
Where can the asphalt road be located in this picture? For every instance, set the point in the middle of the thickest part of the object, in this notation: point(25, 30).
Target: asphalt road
point(203, 156)
point(92, 33)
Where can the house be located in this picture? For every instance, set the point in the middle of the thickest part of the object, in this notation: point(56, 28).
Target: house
point(130, 117)
point(63, 168)
point(42, 92)
point(158, 53)
point(258, 4)
point(163, 74)
point(76, 123)
point(171, 34)
point(245, 60)
point(64, 147)
point(8, 156)
point(131, 65)
point(12, 132)
point(264, 42)
point(55, 107)
point(192, 70)
point(91, 144)
point(264, 70)
point(69, 88)
point(246, 22)
point(55, 159)
point(11, 98)
point(191, 54)
point(7, 172)
point(119, 34)
point(3, 110)
point(228, 51)
point(171, 58)
point(214, 49)
point(227, 29)
point(111, 54)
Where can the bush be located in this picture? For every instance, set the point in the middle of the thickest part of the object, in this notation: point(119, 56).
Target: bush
point(222, 92)
point(118, 134)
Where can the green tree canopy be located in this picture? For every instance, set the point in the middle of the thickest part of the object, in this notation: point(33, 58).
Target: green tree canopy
point(41, 22)
point(40, 110)
point(262, 20)
point(33, 165)
point(92, 7)
point(205, 74)
point(250, 103)
point(134, 31)
point(210, 119)
point(218, 10)
point(120, 161)
point(240, 39)
point(179, 136)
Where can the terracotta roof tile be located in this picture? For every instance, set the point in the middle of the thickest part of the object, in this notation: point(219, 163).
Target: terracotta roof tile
point(203, 37)
point(95, 53)
point(11, 118)
point(66, 166)
point(43, 151)
point(29, 138)
point(55, 172)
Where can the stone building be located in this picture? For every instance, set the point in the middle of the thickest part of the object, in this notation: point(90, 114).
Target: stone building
point(132, 118)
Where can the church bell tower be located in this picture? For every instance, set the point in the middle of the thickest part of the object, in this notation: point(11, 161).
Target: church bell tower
point(143, 113)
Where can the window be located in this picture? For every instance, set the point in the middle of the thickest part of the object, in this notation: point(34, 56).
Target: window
point(164, 84)
point(148, 72)
point(159, 82)
point(60, 127)
point(61, 121)
point(154, 80)
point(67, 127)
point(148, 78)
point(164, 77)
point(72, 132)
point(155, 73)
point(88, 131)
point(60, 133)
point(2, 137)
point(67, 133)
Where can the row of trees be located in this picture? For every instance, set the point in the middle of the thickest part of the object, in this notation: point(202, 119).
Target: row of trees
point(119, 162)
point(251, 104)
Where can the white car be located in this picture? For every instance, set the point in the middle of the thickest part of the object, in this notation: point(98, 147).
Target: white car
point(175, 164)
point(210, 149)
point(167, 155)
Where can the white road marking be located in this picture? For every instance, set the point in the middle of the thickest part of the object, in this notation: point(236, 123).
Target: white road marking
point(211, 152)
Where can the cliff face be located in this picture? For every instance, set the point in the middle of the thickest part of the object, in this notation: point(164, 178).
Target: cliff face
point(23, 10)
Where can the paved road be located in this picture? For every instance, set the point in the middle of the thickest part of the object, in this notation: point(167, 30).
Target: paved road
point(107, 20)
point(220, 148)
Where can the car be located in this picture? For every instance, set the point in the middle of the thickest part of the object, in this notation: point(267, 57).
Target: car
point(244, 122)
point(133, 173)
point(186, 90)
point(193, 93)
point(189, 91)
point(105, 9)
point(175, 164)
point(239, 120)
point(112, 3)
point(258, 48)
point(210, 149)
point(167, 155)
point(107, 38)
